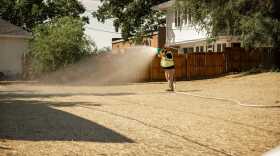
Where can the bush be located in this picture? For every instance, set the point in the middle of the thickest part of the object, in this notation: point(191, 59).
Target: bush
point(59, 42)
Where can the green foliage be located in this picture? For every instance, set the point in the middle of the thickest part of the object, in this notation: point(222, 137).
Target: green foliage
point(58, 43)
point(132, 18)
point(28, 13)
point(275, 69)
point(255, 21)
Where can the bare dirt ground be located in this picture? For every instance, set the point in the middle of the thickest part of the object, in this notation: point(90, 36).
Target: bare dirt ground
point(141, 119)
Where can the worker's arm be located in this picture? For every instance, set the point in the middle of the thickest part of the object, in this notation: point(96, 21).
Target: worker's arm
point(161, 53)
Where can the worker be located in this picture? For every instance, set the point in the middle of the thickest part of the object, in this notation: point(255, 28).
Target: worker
point(167, 63)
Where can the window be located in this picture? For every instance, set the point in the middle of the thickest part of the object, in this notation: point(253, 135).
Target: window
point(189, 18)
point(235, 45)
point(219, 48)
point(186, 17)
point(185, 50)
point(177, 18)
point(188, 50)
point(224, 45)
point(197, 49)
point(210, 48)
point(191, 49)
point(201, 49)
point(182, 17)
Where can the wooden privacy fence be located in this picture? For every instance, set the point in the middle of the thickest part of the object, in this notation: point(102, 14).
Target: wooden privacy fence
point(239, 59)
point(202, 65)
point(191, 65)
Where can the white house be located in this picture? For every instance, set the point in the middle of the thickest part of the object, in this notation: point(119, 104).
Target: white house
point(181, 34)
point(13, 47)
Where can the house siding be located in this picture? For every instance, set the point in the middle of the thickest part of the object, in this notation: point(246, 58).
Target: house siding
point(180, 33)
point(175, 34)
point(12, 51)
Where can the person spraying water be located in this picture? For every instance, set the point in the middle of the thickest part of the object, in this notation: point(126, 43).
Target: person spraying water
point(168, 64)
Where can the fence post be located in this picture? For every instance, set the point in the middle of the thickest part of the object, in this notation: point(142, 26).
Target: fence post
point(151, 70)
point(187, 66)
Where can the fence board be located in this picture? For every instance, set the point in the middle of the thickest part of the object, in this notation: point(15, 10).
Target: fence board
point(239, 59)
point(201, 65)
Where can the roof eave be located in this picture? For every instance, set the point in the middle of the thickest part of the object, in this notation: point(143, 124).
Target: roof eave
point(17, 36)
point(190, 41)
point(164, 6)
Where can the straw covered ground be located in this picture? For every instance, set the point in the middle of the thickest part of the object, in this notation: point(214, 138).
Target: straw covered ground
point(141, 119)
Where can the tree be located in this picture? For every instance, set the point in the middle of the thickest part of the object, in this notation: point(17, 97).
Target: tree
point(132, 18)
point(58, 43)
point(28, 13)
point(255, 21)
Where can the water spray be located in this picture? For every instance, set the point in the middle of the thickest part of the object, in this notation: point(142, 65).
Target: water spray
point(121, 66)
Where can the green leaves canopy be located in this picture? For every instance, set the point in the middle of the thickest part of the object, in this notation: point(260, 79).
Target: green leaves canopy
point(58, 43)
point(131, 17)
point(255, 21)
point(28, 13)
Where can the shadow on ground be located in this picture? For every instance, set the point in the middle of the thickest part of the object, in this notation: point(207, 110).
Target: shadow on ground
point(253, 71)
point(19, 94)
point(28, 119)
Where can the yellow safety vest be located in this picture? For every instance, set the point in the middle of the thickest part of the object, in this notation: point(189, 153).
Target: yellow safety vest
point(166, 62)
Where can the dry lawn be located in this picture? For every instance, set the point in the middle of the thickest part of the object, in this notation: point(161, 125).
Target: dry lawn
point(141, 119)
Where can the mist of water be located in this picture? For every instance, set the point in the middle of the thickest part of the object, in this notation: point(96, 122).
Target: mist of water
point(126, 65)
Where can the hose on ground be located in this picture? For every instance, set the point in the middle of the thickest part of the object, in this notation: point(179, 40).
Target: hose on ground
point(229, 100)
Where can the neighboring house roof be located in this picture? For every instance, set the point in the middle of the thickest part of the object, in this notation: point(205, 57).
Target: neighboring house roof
point(9, 30)
point(117, 40)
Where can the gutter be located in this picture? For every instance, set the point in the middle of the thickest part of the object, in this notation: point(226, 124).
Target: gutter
point(189, 41)
point(16, 36)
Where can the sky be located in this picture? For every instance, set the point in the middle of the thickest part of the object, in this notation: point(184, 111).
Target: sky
point(100, 33)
